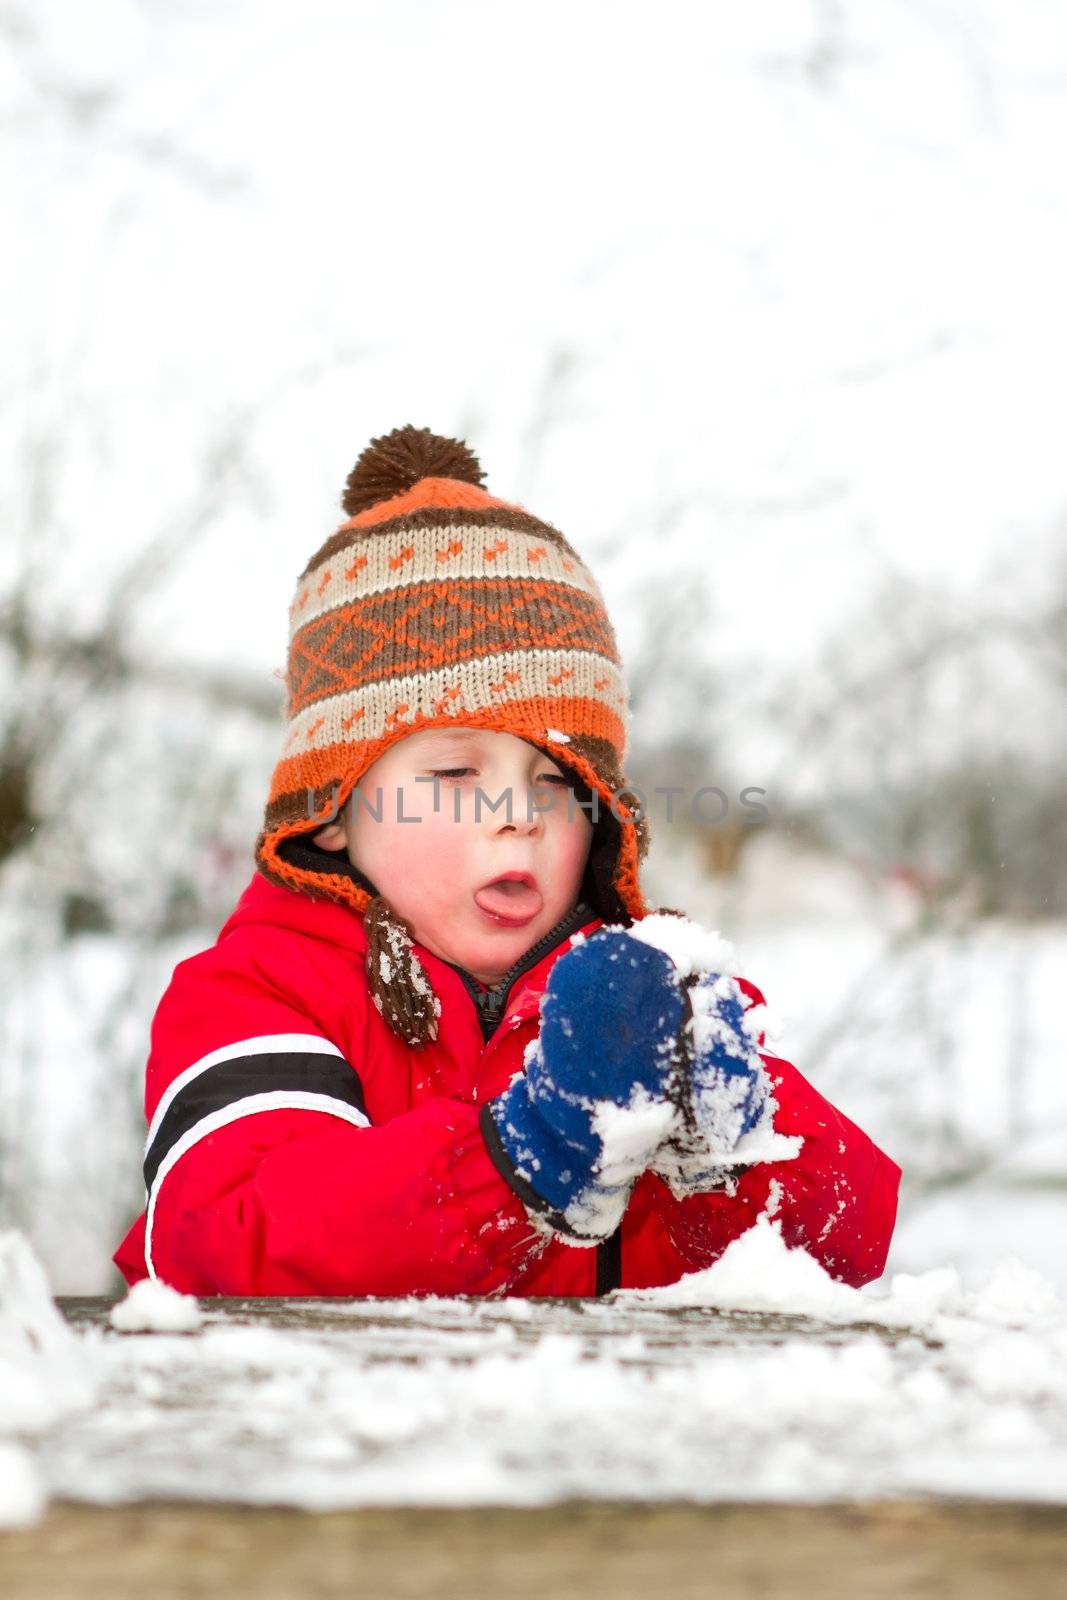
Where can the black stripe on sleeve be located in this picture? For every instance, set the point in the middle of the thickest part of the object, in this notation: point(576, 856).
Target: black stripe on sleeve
point(227, 1081)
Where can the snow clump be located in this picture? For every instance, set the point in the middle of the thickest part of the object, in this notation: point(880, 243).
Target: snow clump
point(154, 1307)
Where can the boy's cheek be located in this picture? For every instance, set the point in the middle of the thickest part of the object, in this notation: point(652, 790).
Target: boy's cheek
point(574, 846)
point(429, 862)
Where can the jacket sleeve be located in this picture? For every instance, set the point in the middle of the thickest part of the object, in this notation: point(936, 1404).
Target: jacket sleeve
point(265, 1175)
point(837, 1198)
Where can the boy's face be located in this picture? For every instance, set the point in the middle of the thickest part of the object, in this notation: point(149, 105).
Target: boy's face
point(438, 872)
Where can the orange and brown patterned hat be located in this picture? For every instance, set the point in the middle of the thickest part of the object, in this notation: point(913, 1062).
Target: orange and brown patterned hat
point(436, 603)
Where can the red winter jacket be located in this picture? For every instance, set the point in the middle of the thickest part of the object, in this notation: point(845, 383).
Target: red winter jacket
point(298, 1147)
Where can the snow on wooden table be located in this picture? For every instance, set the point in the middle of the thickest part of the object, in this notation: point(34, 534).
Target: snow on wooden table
point(331, 1404)
point(620, 1447)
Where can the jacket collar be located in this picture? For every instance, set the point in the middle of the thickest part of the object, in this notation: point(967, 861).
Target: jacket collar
point(264, 901)
point(492, 1001)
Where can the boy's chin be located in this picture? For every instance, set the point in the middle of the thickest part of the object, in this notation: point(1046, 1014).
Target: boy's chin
point(488, 953)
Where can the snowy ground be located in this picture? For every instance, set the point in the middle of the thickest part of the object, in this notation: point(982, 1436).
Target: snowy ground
point(759, 1379)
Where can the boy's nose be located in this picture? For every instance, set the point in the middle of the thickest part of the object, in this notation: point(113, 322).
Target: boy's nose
point(526, 810)
point(520, 822)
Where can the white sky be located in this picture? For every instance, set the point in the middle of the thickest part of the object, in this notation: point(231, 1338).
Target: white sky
point(802, 296)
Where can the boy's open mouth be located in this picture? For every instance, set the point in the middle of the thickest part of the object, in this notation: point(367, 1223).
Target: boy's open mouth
point(513, 898)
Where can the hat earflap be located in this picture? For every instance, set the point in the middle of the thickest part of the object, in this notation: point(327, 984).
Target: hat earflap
point(398, 983)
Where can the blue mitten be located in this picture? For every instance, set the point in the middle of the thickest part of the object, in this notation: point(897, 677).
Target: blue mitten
point(724, 1092)
point(598, 1096)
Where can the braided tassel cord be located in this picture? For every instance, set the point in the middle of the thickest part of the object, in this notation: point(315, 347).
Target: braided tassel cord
point(398, 983)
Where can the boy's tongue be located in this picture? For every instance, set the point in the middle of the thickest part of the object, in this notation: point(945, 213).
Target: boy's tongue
point(509, 898)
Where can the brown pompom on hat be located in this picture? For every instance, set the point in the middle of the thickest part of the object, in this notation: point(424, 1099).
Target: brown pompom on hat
point(436, 603)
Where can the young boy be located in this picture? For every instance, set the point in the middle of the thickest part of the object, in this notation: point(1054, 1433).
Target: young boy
point(441, 1046)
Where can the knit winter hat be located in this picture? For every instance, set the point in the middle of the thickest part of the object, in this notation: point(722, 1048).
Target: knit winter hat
point(435, 603)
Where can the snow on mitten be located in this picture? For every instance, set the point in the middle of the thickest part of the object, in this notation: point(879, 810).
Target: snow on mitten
point(597, 1098)
point(721, 1090)
point(724, 1089)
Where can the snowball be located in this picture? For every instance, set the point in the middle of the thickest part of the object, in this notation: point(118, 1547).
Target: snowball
point(629, 1134)
point(154, 1307)
point(693, 949)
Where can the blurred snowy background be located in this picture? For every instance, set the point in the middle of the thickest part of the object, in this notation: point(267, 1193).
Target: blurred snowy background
point(761, 305)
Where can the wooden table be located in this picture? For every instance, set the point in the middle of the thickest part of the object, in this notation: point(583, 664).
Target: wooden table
point(192, 1544)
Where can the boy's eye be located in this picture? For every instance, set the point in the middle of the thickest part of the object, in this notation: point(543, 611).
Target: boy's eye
point(459, 772)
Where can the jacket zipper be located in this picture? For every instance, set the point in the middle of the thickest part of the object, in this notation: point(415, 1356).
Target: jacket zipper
point(492, 1003)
